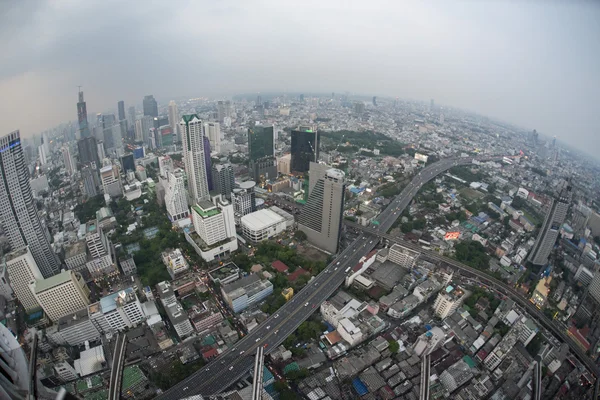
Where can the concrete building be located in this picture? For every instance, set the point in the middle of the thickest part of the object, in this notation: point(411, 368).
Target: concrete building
point(111, 181)
point(430, 341)
point(448, 301)
point(244, 200)
point(321, 218)
point(73, 329)
point(540, 294)
point(65, 371)
point(245, 292)
point(116, 311)
point(261, 225)
point(68, 161)
point(76, 255)
point(174, 119)
point(22, 269)
point(193, 151)
point(212, 130)
point(175, 262)
point(179, 320)
point(18, 211)
point(206, 316)
point(223, 179)
point(458, 374)
point(61, 294)
point(402, 256)
point(549, 232)
point(494, 358)
point(176, 196)
point(284, 164)
point(128, 266)
point(96, 240)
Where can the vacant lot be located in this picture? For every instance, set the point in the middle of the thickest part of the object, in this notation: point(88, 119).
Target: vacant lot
point(470, 194)
point(311, 253)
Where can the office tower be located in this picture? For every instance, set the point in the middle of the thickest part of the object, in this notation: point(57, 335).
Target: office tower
point(193, 155)
point(305, 148)
point(259, 100)
point(431, 105)
point(321, 218)
point(101, 152)
point(61, 295)
point(43, 154)
point(128, 163)
point(549, 232)
point(264, 169)
point(157, 122)
point(167, 138)
point(174, 119)
point(224, 110)
point(150, 106)
point(212, 130)
point(359, 108)
point(223, 179)
point(208, 164)
point(121, 109)
point(68, 160)
point(108, 120)
point(14, 368)
point(111, 181)
point(153, 142)
point(260, 142)
point(84, 130)
point(176, 197)
point(284, 164)
point(22, 269)
point(88, 151)
point(142, 129)
point(89, 179)
point(18, 211)
point(131, 117)
point(315, 172)
point(375, 101)
point(244, 199)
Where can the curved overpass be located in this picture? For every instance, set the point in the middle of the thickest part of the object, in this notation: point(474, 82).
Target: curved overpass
point(234, 363)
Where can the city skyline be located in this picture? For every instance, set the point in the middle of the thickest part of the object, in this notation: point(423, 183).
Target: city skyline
point(527, 71)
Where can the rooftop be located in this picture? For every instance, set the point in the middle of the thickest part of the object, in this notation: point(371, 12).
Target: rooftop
point(109, 303)
point(206, 209)
point(16, 253)
point(56, 280)
point(261, 219)
point(75, 249)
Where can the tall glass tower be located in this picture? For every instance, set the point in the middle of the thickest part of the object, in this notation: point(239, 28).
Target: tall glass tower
point(18, 211)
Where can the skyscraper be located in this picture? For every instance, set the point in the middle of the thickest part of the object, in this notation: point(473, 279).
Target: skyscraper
point(208, 164)
point(131, 117)
point(260, 142)
point(176, 197)
point(263, 164)
point(121, 109)
point(88, 151)
point(223, 110)
point(18, 211)
point(549, 232)
point(150, 106)
point(321, 218)
point(305, 148)
point(84, 130)
point(193, 155)
point(223, 179)
point(14, 369)
point(68, 160)
point(174, 119)
point(22, 269)
point(212, 130)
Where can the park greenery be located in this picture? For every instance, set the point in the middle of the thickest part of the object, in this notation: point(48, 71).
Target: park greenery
point(87, 210)
point(175, 373)
point(367, 139)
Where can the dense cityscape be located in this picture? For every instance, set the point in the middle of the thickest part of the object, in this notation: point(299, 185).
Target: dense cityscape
point(297, 246)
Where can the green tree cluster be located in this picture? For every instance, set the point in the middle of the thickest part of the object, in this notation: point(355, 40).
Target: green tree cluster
point(393, 346)
point(175, 373)
point(87, 211)
point(473, 254)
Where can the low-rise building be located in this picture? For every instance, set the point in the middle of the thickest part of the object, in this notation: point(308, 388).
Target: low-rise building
point(175, 262)
point(245, 292)
point(76, 255)
point(540, 294)
point(179, 320)
point(206, 316)
point(73, 329)
point(128, 266)
point(262, 225)
point(116, 311)
point(225, 274)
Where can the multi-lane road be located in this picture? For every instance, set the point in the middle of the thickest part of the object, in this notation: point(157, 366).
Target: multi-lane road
point(234, 363)
point(116, 370)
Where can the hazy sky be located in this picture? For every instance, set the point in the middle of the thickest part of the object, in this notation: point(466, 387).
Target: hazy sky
point(533, 63)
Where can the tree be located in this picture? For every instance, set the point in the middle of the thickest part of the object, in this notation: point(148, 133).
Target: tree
point(393, 346)
point(472, 253)
point(406, 227)
point(300, 236)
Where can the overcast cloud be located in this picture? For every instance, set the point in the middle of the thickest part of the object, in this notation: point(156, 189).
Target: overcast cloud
point(531, 63)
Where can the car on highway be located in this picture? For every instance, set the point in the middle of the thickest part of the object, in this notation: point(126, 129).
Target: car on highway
point(230, 368)
point(241, 352)
point(257, 340)
point(268, 327)
point(306, 305)
point(276, 315)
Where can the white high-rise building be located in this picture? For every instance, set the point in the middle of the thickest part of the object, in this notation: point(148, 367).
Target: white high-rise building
point(142, 129)
point(165, 166)
point(68, 161)
point(193, 156)
point(95, 239)
point(22, 269)
point(14, 368)
point(212, 130)
point(174, 119)
point(176, 196)
point(62, 294)
point(18, 212)
point(116, 311)
point(42, 152)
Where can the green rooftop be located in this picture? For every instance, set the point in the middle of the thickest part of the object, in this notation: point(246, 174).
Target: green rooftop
point(99, 395)
point(188, 118)
point(48, 283)
point(469, 361)
point(206, 214)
